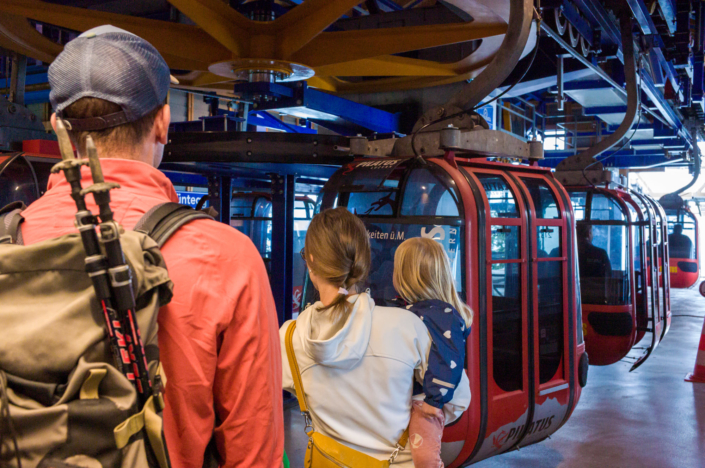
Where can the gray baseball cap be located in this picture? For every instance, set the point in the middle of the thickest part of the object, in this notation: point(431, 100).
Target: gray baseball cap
point(111, 64)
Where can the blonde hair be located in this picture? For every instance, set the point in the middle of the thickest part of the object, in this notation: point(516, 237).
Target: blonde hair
point(338, 242)
point(422, 272)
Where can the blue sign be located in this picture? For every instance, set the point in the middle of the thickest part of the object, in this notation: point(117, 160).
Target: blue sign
point(191, 198)
point(488, 113)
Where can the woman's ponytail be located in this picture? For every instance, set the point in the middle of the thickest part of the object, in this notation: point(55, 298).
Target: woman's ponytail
point(338, 242)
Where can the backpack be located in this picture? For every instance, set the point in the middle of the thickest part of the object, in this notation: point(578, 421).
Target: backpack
point(63, 404)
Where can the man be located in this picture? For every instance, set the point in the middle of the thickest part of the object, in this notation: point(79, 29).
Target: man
point(679, 245)
point(595, 267)
point(218, 337)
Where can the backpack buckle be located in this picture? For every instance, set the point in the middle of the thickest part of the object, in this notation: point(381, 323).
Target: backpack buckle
point(6, 239)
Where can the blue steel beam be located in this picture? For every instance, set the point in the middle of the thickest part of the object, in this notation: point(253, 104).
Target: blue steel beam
point(309, 103)
point(622, 159)
point(642, 16)
point(668, 9)
point(594, 111)
point(391, 5)
point(526, 87)
point(668, 143)
point(265, 119)
point(365, 116)
point(662, 105)
point(594, 10)
point(697, 90)
point(37, 78)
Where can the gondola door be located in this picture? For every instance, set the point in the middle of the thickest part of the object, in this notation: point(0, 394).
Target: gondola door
point(654, 294)
point(507, 306)
point(638, 225)
point(553, 357)
point(664, 260)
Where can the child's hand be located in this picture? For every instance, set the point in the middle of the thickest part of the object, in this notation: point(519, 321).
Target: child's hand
point(431, 412)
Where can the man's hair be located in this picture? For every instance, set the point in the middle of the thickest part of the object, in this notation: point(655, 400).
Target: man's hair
point(121, 138)
point(584, 231)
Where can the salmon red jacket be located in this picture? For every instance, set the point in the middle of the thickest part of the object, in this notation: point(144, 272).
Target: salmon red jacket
point(218, 337)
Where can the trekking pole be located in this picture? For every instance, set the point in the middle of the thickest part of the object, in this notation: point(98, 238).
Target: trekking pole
point(119, 271)
point(96, 264)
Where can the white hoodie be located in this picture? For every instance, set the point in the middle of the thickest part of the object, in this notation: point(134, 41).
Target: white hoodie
point(358, 375)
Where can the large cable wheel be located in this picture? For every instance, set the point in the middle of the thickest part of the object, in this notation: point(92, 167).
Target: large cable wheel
point(561, 21)
point(584, 46)
point(574, 36)
point(320, 41)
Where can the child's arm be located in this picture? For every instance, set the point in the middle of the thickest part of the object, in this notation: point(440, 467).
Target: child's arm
point(446, 358)
point(439, 364)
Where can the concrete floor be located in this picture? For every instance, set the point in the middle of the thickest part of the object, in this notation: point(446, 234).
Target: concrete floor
point(647, 418)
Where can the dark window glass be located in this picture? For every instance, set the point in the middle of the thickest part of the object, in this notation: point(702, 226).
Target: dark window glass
point(303, 208)
point(500, 197)
point(505, 242)
point(506, 326)
point(636, 236)
point(372, 203)
point(577, 293)
point(246, 205)
point(544, 201)
point(683, 243)
point(252, 215)
point(606, 209)
point(303, 211)
point(579, 202)
point(17, 182)
point(550, 291)
point(548, 240)
point(386, 237)
point(603, 254)
point(427, 194)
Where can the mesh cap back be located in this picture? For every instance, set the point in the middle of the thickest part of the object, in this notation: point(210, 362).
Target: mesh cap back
point(114, 65)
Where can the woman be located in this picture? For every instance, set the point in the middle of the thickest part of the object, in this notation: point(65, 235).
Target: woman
point(357, 361)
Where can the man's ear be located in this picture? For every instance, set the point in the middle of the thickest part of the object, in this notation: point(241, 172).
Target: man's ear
point(161, 124)
point(52, 119)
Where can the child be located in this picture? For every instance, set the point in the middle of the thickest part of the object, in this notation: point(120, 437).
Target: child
point(423, 278)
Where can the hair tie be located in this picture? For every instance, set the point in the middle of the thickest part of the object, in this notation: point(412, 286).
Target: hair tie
point(343, 291)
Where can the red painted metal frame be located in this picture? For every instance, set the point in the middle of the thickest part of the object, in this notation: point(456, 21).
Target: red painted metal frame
point(680, 278)
point(506, 408)
point(606, 350)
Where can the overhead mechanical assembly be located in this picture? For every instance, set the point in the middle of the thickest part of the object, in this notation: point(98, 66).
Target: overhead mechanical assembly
point(577, 165)
point(317, 40)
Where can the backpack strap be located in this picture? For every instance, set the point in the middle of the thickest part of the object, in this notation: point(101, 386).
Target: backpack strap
point(10, 220)
point(163, 220)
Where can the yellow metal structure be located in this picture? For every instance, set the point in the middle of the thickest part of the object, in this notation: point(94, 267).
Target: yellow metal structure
point(222, 40)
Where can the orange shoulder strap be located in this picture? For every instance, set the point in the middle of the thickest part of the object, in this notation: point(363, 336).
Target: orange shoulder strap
point(298, 384)
point(294, 366)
